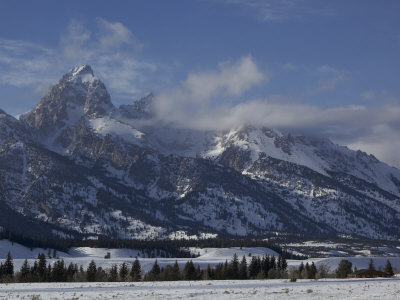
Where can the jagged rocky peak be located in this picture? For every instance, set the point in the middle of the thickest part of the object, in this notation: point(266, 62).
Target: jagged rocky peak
point(85, 89)
point(141, 108)
point(144, 104)
point(83, 72)
point(79, 94)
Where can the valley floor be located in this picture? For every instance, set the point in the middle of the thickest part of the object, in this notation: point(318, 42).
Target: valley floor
point(229, 289)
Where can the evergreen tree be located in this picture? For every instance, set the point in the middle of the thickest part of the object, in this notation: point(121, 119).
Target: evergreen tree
point(307, 271)
point(91, 272)
point(272, 262)
point(371, 265)
point(71, 271)
point(284, 264)
point(175, 272)
point(265, 264)
point(219, 272)
point(1, 271)
point(136, 271)
point(123, 272)
point(234, 267)
point(113, 275)
point(313, 271)
point(301, 270)
point(8, 267)
point(59, 273)
point(388, 268)
point(343, 269)
point(208, 273)
point(101, 275)
point(199, 273)
point(243, 268)
point(279, 264)
point(47, 274)
point(34, 271)
point(154, 273)
point(254, 267)
point(25, 271)
point(227, 271)
point(165, 274)
point(189, 271)
point(41, 268)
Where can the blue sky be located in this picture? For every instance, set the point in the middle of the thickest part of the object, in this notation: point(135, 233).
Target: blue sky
point(338, 60)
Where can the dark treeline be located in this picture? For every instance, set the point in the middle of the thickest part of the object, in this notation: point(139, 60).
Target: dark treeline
point(345, 268)
point(177, 247)
point(265, 267)
point(259, 268)
point(31, 242)
point(164, 248)
point(42, 271)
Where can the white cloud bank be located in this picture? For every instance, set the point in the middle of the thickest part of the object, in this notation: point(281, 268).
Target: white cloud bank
point(200, 103)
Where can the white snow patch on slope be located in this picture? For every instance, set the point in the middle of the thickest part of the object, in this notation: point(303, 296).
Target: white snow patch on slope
point(107, 125)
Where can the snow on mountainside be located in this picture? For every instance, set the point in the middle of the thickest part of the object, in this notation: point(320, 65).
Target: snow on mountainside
point(83, 166)
point(320, 155)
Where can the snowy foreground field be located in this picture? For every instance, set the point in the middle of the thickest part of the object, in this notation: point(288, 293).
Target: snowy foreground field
point(229, 289)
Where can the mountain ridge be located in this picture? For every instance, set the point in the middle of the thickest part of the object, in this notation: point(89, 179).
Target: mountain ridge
point(83, 165)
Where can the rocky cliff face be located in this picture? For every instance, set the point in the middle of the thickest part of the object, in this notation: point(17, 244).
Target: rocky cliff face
point(75, 164)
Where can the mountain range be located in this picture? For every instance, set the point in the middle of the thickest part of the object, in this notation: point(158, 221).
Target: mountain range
point(76, 165)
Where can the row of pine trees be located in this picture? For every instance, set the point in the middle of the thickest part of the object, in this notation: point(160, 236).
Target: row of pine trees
point(42, 271)
point(345, 268)
point(266, 267)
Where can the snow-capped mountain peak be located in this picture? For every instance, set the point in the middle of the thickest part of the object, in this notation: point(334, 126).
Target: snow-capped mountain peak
point(81, 70)
point(122, 173)
point(77, 97)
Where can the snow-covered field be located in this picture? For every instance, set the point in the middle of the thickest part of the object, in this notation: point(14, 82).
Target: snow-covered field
point(228, 289)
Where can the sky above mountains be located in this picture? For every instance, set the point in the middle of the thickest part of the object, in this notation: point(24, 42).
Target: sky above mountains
point(316, 67)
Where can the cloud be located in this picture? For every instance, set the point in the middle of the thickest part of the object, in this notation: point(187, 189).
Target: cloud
point(200, 103)
point(111, 48)
point(231, 79)
point(207, 90)
point(73, 42)
point(114, 35)
point(279, 10)
point(25, 64)
point(383, 142)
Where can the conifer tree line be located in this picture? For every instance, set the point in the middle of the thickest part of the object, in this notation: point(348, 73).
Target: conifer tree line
point(259, 268)
point(265, 267)
point(345, 268)
point(42, 271)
